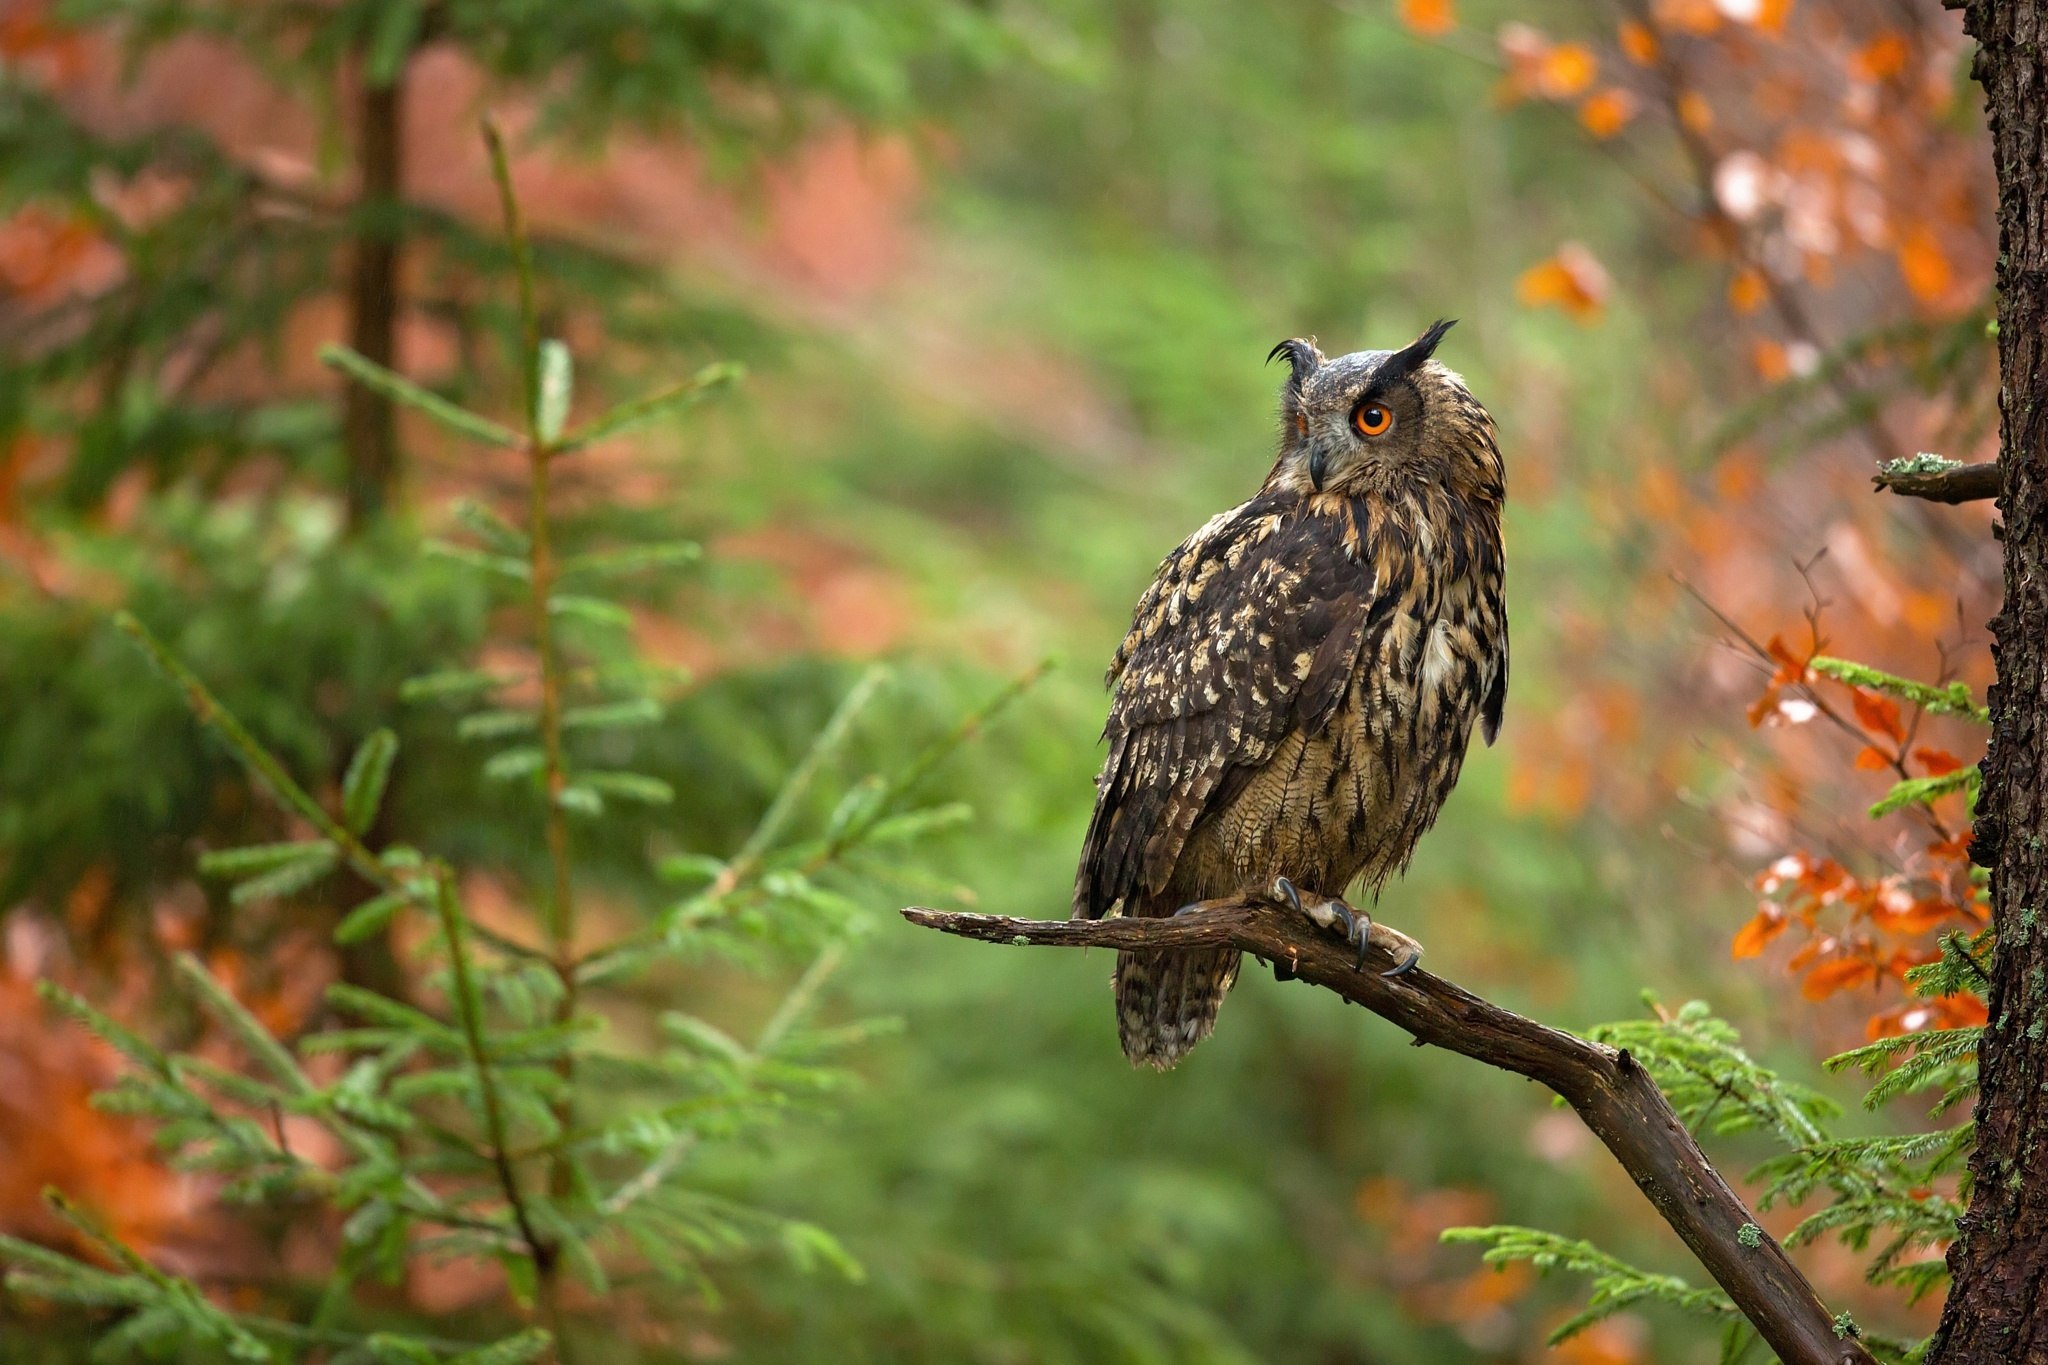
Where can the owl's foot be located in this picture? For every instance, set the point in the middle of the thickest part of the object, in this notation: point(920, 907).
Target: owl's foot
point(1355, 926)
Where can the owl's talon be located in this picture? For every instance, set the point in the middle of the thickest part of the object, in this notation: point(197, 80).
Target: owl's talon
point(1354, 926)
point(1330, 914)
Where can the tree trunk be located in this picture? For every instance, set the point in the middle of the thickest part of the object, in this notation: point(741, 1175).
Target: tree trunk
point(1997, 1309)
point(368, 423)
point(368, 428)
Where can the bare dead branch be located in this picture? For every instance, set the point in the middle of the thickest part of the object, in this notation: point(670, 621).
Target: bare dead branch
point(1956, 483)
point(1610, 1090)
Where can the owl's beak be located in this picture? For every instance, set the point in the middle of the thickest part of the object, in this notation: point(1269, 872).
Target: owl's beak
point(1318, 466)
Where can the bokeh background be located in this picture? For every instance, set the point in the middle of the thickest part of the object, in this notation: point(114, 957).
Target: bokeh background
point(1003, 276)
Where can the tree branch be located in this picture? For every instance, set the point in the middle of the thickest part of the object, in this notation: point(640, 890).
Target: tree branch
point(1946, 482)
point(1613, 1094)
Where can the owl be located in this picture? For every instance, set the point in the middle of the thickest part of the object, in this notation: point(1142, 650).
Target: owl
point(1295, 696)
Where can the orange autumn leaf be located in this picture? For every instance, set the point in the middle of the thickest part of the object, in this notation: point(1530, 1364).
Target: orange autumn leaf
point(1873, 760)
point(1923, 264)
point(1955, 849)
point(1879, 713)
point(1483, 1291)
point(1567, 70)
point(1747, 291)
point(40, 249)
point(1614, 1341)
point(1883, 58)
point(1770, 360)
point(1638, 44)
point(1904, 960)
point(22, 31)
point(1772, 14)
point(1961, 1011)
point(1762, 708)
point(52, 1134)
point(1606, 112)
point(1916, 917)
point(27, 32)
point(1808, 954)
point(1791, 668)
point(1572, 280)
point(1837, 974)
point(1766, 924)
point(1826, 880)
point(1773, 705)
point(1430, 18)
point(1918, 1016)
point(1687, 16)
point(1694, 111)
point(1937, 762)
point(1738, 475)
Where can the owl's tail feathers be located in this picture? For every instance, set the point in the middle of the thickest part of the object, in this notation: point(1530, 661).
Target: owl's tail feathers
point(1167, 1002)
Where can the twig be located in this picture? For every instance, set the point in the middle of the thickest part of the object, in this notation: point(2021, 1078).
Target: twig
point(1950, 482)
point(472, 1030)
point(1610, 1090)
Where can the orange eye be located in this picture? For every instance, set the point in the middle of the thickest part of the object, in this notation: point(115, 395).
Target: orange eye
point(1372, 419)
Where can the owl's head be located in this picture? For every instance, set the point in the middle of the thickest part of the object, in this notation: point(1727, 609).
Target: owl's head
point(1381, 421)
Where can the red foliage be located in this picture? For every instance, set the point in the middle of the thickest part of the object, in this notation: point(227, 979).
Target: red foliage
point(51, 1135)
point(1937, 762)
point(1865, 933)
point(1879, 714)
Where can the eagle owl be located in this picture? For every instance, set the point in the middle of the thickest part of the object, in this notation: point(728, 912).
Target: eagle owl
point(1294, 698)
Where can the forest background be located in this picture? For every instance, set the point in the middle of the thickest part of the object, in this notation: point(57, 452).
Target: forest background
point(1001, 279)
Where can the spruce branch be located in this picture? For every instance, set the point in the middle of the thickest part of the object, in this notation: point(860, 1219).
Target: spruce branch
point(1954, 699)
point(470, 1011)
point(793, 1006)
point(1617, 1285)
point(868, 813)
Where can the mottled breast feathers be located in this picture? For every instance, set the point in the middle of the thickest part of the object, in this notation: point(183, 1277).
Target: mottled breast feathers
point(1250, 631)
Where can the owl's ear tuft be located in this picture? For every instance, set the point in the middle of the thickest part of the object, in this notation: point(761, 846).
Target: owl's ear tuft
point(1415, 352)
point(1303, 360)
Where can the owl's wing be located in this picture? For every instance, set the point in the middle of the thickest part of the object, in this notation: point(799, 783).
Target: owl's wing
point(1250, 631)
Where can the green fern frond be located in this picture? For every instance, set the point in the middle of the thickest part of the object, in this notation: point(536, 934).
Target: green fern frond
point(1617, 1285)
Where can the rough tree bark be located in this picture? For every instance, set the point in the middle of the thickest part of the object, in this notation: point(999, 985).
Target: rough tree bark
point(1997, 1308)
point(368, 424)
point(1609, 1089)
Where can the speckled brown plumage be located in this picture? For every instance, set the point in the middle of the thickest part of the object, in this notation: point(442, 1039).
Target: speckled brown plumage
point(1300, 681)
